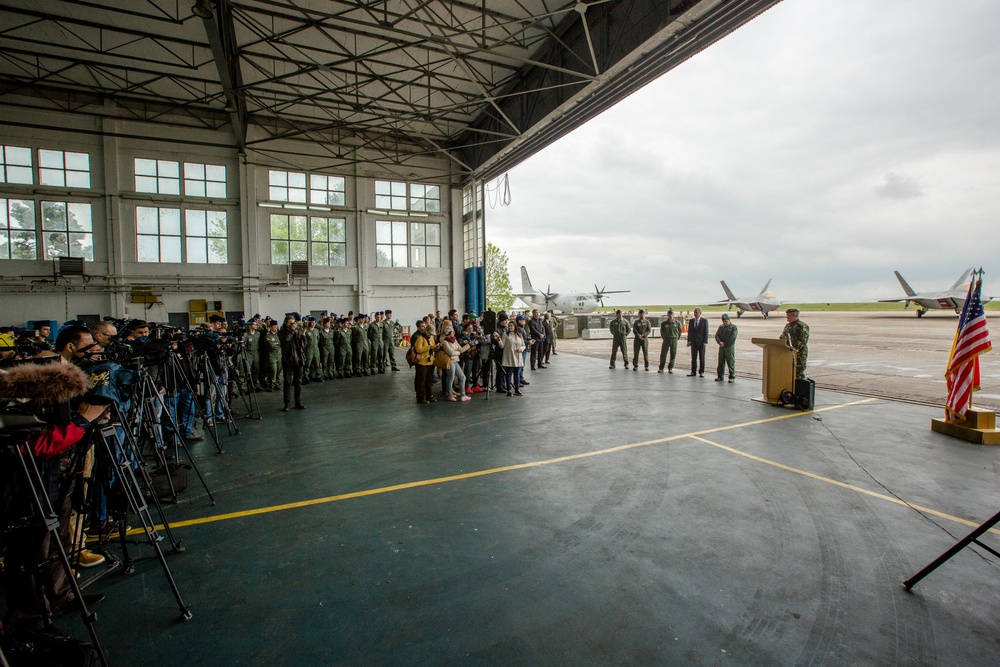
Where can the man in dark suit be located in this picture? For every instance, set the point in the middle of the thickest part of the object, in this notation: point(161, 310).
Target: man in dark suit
point(536, 329)
point(697, 341)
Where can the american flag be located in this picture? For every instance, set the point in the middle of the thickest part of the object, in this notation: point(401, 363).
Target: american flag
point(971, 340)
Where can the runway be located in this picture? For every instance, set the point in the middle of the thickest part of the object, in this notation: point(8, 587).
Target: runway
point(887, 354)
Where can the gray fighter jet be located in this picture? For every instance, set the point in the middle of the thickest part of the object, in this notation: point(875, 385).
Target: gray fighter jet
point(763, 303)
point(951, 299)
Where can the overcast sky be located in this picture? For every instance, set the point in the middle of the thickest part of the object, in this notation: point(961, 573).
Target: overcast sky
point(823, 145)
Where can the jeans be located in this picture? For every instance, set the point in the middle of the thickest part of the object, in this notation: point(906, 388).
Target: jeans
point(513, 374)
point(450, 375)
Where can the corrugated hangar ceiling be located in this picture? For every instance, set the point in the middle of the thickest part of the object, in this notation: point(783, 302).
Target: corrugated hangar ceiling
point(486, 83)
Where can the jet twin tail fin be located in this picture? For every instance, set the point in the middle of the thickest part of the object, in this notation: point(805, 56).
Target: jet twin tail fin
point(961, 279)
point(763, 289)
point(906, 288)
point(729, 292)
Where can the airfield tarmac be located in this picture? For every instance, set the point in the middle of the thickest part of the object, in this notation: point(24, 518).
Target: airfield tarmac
point(886, 354)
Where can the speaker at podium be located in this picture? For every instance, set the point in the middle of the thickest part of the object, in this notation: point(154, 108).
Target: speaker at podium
point(778, 373)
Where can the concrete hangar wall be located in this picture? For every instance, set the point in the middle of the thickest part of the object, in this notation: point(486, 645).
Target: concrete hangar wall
point(175, 212)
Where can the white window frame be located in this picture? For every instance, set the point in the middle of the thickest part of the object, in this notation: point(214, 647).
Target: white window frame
point(164, 179)
point(85, 233)
point(13, 170)
point(63, 169)
point(204, 180)
point(7, 232)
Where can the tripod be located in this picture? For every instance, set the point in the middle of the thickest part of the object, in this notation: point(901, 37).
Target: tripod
point(22, 428)
point(971, 538)
point(148, 414)
point(128, 486)
point(240, 366)
point(214, 394)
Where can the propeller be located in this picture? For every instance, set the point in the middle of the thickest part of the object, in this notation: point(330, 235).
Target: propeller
point(599, 293)
point(549, 295)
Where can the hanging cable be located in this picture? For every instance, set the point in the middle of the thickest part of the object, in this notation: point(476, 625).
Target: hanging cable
point(498, 192)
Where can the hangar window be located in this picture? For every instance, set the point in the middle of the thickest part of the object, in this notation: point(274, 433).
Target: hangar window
point(158, 234)
point(289, 238)
point(328, 237)
point(425, 198)
point(390, 195)
point(204, 180)
point(162, 177)
point(64, 169)
point(15, 165)
point(327, 190)
point(67, 230)
point(402, 244)
point(425, 244)
point(17, 229)
point(390, 243)
point(287, 186)
point(206, 237)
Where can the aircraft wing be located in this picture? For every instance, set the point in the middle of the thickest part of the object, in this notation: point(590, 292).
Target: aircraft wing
point(905, 298)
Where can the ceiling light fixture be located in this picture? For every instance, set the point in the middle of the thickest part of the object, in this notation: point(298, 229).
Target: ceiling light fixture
point(202, 8)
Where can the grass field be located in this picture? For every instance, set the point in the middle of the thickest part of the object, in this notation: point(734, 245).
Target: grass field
point(834, 307)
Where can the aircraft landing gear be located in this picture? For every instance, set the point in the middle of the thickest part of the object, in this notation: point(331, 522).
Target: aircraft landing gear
point(739, 313)
point(920, 313)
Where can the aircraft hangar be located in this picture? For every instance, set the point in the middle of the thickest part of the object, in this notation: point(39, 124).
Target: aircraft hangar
point(167, 159)
point(267, 156)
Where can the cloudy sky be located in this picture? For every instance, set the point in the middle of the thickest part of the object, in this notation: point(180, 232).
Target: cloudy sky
point(823, 145)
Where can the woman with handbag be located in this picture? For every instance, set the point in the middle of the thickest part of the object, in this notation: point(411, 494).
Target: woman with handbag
point(425, 346)
point(513, 358)
point(451, 346)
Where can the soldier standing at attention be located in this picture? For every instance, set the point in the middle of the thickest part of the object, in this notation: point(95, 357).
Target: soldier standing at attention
point(270, 357)
point(389, 341)
point(796, 335)
point(375, 344)
point(620, 329)
point(697, 341)
point(327, 360)
point(725, 336)
point(641, 330)
point(670, 332)
point(342, 349)
point(312, 371)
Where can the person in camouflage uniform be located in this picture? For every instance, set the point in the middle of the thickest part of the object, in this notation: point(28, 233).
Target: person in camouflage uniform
point(620, 329)
point(670, 332)
point(375, 345)
point(389, 341)
point(640, 341)
point(725, 336)
point(359, 346)
point(253, 353)
point(270, 357)
point(342, 346)
point(796, 335)
point(327, 354)
point(312, 370)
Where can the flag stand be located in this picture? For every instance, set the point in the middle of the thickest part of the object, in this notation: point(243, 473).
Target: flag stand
point(979, 427)
point(971, 538)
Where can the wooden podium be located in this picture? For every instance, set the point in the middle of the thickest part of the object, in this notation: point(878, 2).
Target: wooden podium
point(778, 371)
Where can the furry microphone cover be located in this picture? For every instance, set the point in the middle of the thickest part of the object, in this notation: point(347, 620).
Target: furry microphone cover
point(53, 383)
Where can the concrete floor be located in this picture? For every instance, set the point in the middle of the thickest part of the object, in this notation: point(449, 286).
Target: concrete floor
point(607, 517)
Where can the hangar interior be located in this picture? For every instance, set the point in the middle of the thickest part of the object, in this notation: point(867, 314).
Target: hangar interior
point(269, 156)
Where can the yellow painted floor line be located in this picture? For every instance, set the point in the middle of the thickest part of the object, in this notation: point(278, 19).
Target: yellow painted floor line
point(843, 485)
point(490, 471)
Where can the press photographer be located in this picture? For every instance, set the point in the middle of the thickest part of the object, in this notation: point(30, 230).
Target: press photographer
point(36, 415)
